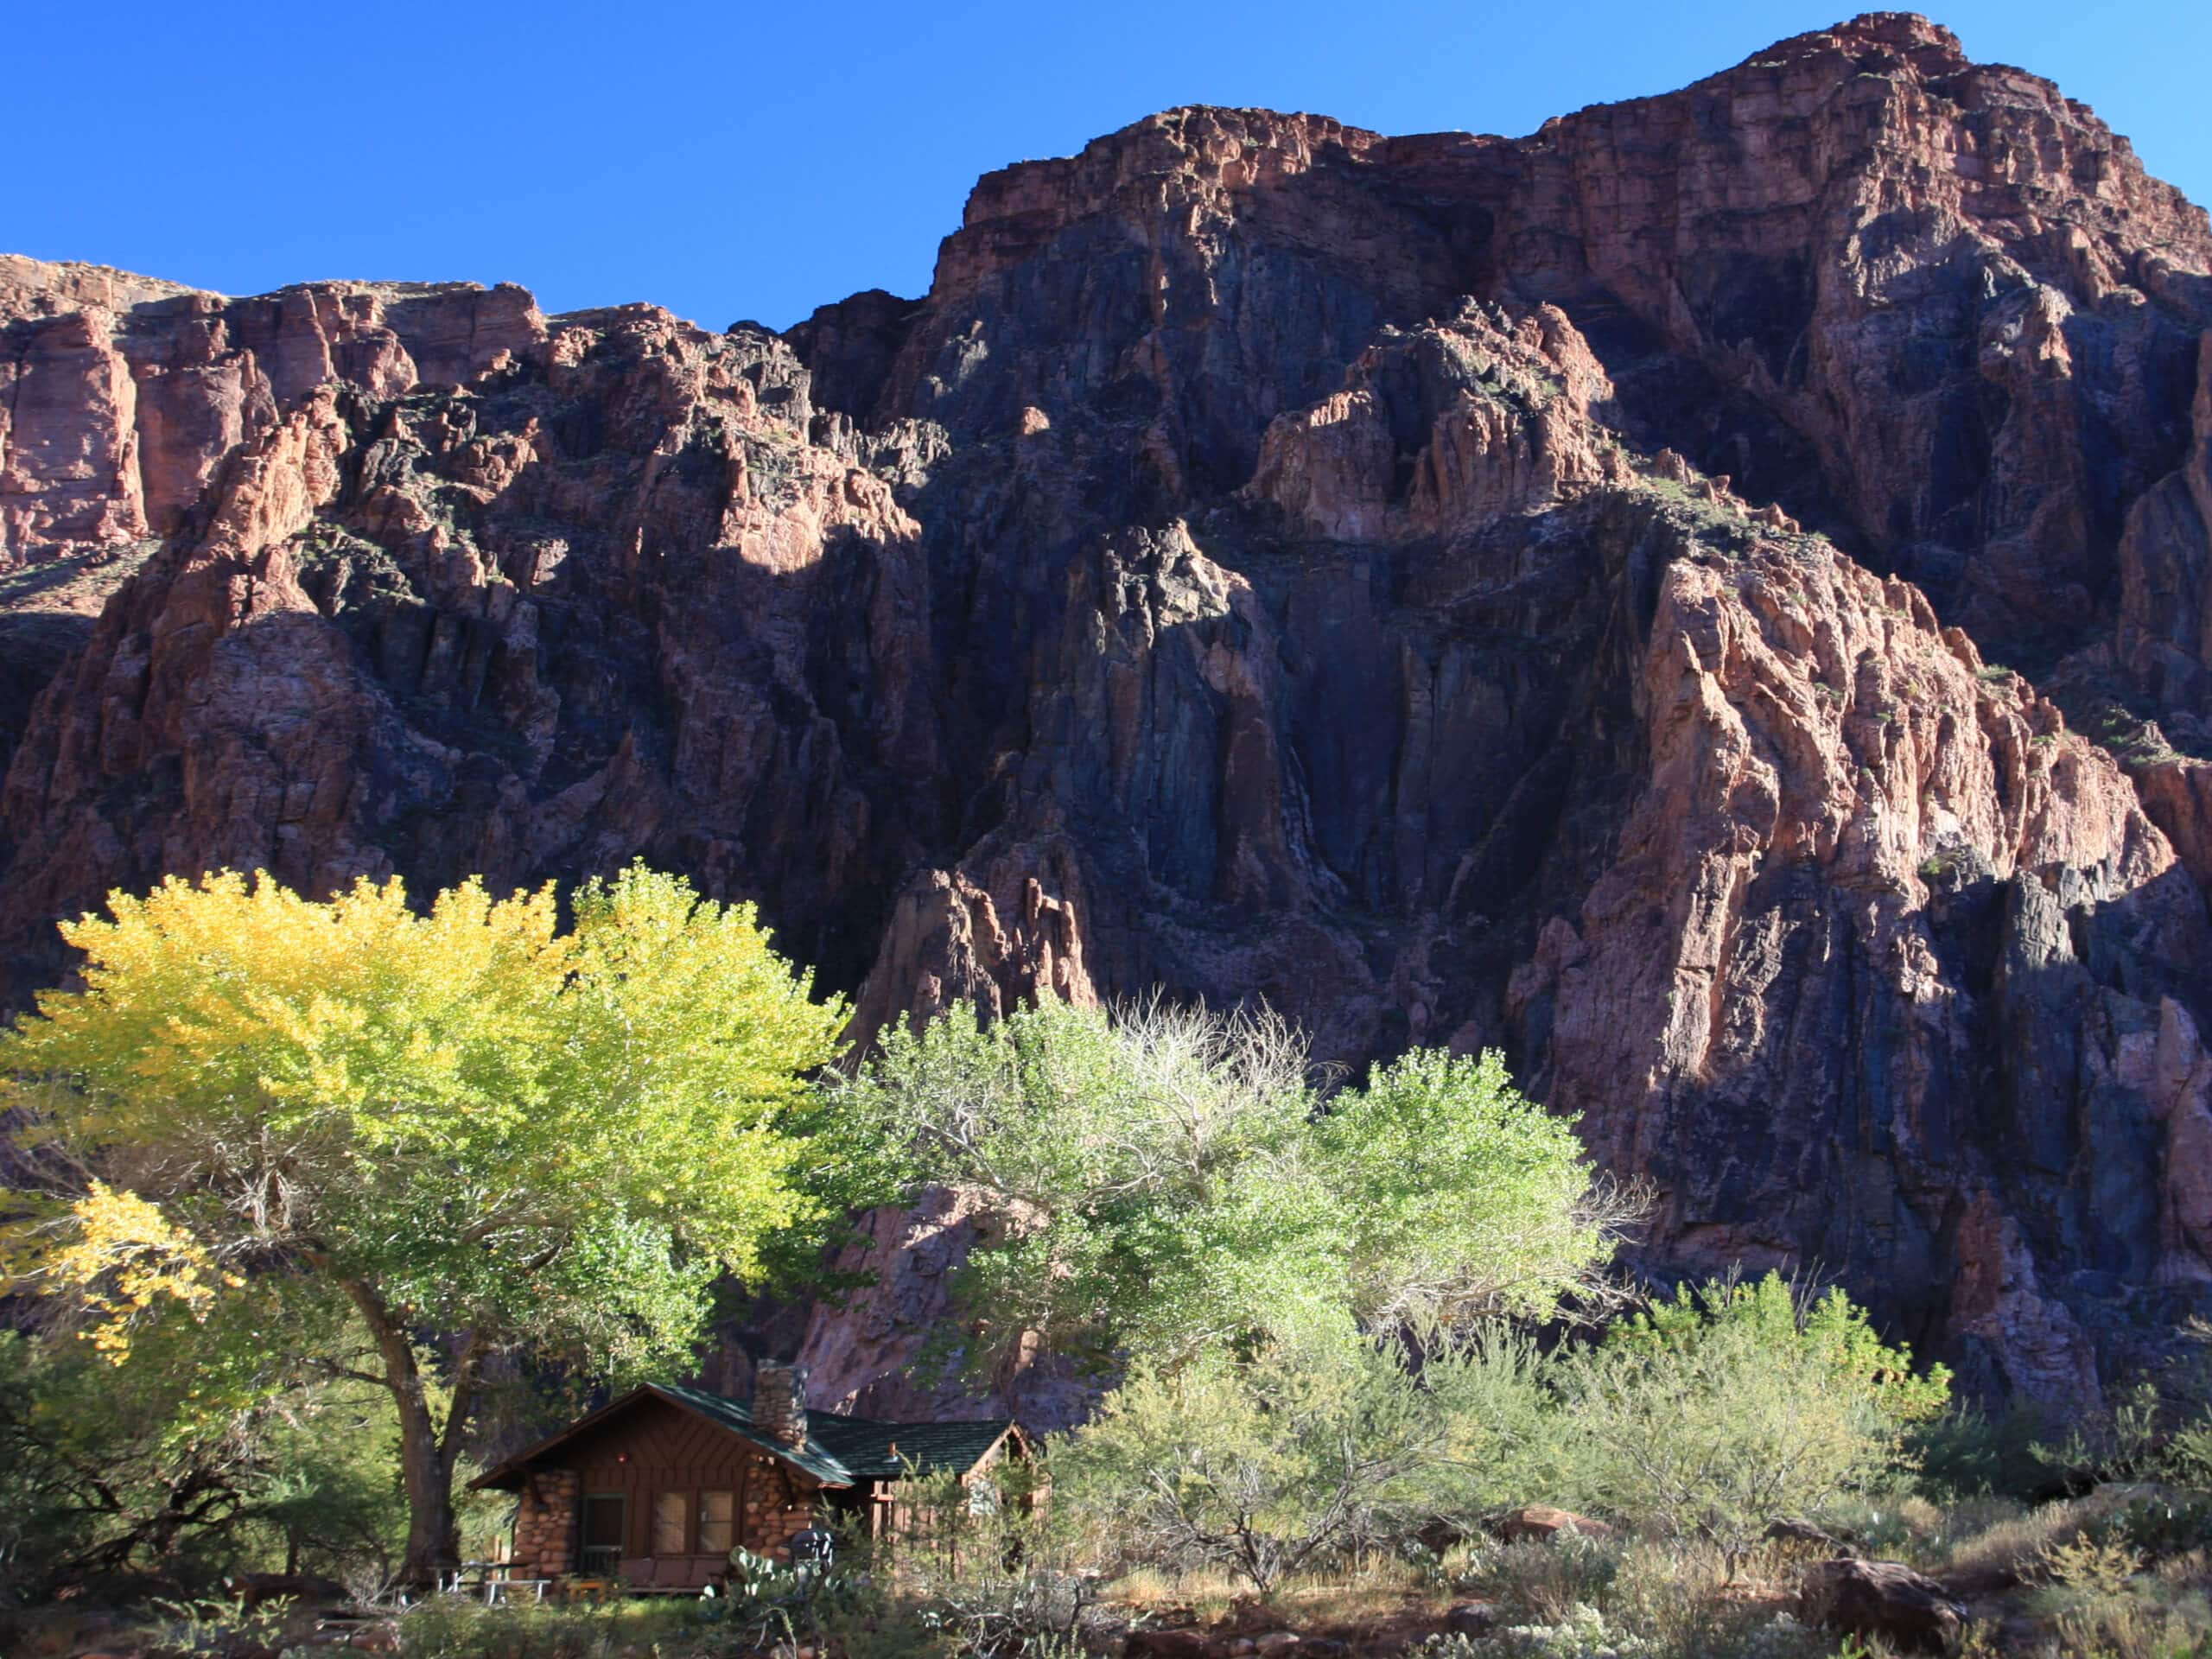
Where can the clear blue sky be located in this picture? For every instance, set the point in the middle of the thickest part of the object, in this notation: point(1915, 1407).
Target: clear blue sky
point(752, 160)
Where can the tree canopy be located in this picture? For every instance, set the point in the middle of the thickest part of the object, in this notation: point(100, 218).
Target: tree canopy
point(374, 1122)
point(1173, 1177)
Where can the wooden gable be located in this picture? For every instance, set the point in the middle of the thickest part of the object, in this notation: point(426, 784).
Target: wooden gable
point(657, 1453)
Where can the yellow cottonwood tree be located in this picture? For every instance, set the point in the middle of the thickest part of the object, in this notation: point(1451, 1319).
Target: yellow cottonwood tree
point(388, 1124)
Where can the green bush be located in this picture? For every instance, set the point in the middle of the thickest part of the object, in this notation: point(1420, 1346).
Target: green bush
point(1966, 1451)
point(178, 1469)
point(461, 1627)
point(1734, 1405)
point(983, 1569)
point(2156, 1524)
point(1702, 1421)
point(1265, 1466)
point(1503, 1439)
point(211, 1626)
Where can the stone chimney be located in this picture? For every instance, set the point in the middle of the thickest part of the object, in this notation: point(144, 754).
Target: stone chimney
point(779, 1401)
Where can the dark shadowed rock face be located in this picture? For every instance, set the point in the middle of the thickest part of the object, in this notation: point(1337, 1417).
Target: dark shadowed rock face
point(1554, 594)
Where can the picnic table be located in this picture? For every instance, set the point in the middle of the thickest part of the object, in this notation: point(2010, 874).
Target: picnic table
point(497, 1582)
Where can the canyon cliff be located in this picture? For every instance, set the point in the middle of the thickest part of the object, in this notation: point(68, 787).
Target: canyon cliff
point(1713, 598)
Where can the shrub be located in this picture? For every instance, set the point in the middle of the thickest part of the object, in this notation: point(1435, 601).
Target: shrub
point(1968, 1453)
point(1580, 1633)
point(1662, 1600)
point(2091, 1566)
point(1732, 1405)
point(2156, 1523)
point(982, 1570)
point(1544, 1580)
point(209, 1626)
point(1502, 1439)
point(2131, 1629)
point(762, 1601)
point(1675, 1596)
point(1262, 1466)
point(461, 1627)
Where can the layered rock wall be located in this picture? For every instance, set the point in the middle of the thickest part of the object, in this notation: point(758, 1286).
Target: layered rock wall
point(1709, 597)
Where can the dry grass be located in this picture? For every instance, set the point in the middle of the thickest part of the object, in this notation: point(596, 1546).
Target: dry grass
point(2191, 1571)
point(1151, 1591)
point(1379, 1590)
point(2002, 1543)
point(1988, 1543)
point(2128, 1627)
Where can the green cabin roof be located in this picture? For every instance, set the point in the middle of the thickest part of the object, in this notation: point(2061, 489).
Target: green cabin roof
point(839, 1451)
point(874, 1450)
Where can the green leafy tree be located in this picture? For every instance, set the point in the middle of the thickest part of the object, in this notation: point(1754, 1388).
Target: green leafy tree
point(1263, 1465)
point(357, 1125)
point(191, 1461)
point(330, 1501)
point(1731, 1405)
point(103, 1472)
point(1172, 1178)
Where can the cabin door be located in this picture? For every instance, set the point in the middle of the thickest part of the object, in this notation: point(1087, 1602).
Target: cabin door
point(606, 1517)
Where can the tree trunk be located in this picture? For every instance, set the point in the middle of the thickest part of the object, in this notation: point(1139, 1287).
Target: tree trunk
point(433, 1536)
point(426, 1456)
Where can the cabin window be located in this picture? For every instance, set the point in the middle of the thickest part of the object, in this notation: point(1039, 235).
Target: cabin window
point(717, 1512)
point(672, 1523)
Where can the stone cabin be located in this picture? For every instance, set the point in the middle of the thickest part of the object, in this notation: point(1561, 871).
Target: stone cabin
point(658, 1486)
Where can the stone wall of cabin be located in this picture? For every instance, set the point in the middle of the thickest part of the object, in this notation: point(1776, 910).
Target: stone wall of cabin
point(779, 1502)
point(546, 1524)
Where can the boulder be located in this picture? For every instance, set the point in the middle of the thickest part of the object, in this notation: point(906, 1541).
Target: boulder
point(1472, 1618)
point(1542, 1521)
point(1881, 1598)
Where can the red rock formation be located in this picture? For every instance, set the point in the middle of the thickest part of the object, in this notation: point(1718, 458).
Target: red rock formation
point(1279, 561)
point(124, 395)
point(1512, 432)
point(1902, 256)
